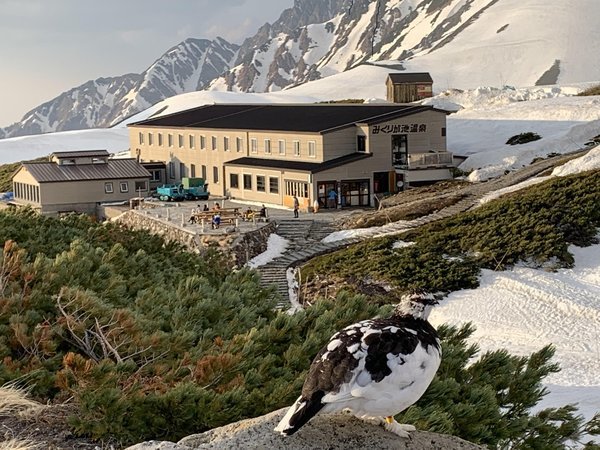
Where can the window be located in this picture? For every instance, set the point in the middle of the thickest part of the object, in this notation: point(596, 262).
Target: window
point(260, 183)
point(253, 145)
point(202, 142)
point(171, 170)
point(160, 139)
point(155, 175)
point(296, 148)
point(312, 149)
point(141, 137)
point(170, 140)
point(443, 131)
point(234, 181)
point(215, 174)
point(225, 144)
point(192, 141)
point(124, 186)
point(141, 186)
point(247, 182)
point(239, 144)
point(204, 172)
point(267, 146)
point(361, 144)
point(213, 142)
point(274, 185)
point(400, 150)
point(182, 171)
point(149, 138)
point(108, 188)
point(193, 170)
point(282, 147)
point(297, 188)
point(180, 140)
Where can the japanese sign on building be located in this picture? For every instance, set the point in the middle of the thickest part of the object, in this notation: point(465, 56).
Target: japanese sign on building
point(404, 128)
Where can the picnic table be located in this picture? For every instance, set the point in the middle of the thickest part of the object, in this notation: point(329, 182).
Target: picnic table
point(228, 215)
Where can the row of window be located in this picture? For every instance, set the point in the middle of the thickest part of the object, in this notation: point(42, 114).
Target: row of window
point(27, 192)
point(297, 188)
point(192, 173)
point(140, 186)
point(267, 147)
point(234, 183)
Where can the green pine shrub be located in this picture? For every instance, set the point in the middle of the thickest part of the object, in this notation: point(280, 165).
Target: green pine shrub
point(523, 138)
point(594, 90)
point(194, 345)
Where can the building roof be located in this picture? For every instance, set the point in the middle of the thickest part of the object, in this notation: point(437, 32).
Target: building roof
point(298, 165)
point(114, 169)
point(411, 77)
point(315, 118)
point(82, 154)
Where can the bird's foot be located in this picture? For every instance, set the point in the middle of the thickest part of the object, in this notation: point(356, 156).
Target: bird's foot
point(401, 429)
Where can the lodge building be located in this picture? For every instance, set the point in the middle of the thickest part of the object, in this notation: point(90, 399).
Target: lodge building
point(78, 181)
point(270, 152)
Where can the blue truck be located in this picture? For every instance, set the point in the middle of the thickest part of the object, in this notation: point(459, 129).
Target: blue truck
point(189, 189)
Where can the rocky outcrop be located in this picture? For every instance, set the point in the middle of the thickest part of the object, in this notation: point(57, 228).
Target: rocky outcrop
point(332, 432)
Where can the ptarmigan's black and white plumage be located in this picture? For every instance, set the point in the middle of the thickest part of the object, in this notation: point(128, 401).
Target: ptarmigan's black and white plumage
point(375, 368)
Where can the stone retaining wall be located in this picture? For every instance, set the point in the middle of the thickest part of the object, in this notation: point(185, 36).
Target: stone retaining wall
point(238, 247)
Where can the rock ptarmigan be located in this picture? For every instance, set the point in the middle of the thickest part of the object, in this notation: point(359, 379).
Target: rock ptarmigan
point(375, 368)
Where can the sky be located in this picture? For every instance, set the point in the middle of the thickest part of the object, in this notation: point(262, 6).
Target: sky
point(50, 46)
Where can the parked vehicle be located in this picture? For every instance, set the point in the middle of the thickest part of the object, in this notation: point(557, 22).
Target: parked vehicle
point(170, 193)
point(189, 189)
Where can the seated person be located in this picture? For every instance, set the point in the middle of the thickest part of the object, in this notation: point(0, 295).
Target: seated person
point(205, 207)
point(248, 214)
point(217, 207)
point(263, 212)
point(216, 221)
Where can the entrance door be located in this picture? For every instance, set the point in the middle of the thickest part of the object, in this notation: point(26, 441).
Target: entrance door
point(400, 150)
point(381, 183)
point(324, 189)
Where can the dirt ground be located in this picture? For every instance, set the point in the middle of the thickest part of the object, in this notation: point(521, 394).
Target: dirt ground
point(47, 430)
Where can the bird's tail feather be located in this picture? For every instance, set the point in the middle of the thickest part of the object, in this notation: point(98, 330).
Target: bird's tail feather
point(300, 413)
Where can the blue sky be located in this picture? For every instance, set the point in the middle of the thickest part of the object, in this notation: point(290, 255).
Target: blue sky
point(50, 46)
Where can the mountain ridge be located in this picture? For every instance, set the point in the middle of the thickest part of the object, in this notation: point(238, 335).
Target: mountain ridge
point(462, 43)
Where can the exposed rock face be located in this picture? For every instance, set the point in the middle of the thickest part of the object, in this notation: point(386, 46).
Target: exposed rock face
point(332, 432)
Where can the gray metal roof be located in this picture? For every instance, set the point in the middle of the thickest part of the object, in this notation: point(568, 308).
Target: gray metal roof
point(114, 169)
point(303, 166)
point(81, 154)
point(319, 118)
point(411, 77)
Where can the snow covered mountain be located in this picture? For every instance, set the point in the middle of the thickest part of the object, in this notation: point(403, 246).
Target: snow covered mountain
point(189, 66)
point(462, 43)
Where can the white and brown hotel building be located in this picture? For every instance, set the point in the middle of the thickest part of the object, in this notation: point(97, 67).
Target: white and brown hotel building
point(270, 152)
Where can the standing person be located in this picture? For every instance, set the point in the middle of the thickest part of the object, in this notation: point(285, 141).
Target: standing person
point(296, 206)
point(332, 198)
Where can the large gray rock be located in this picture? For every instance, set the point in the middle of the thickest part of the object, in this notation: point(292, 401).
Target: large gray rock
point(332, 432)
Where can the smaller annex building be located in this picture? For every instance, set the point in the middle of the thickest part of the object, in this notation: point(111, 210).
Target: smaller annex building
point(408, 87)
point(272, 152)
point(78, 181)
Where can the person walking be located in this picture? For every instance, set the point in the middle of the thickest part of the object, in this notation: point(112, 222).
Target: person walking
point(296, 206)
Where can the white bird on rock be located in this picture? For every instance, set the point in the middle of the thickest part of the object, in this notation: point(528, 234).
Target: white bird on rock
point(375, 368)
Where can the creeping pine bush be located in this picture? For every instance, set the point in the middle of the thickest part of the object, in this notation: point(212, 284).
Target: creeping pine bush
point(150, 342)
point(523, 138)
point(535, 226)
point(594, 90)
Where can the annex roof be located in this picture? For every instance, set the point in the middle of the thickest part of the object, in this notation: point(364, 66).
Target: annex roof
point(316, 118)
point(298, 165)
point(82, 154)
point(411, 77)
point(49, 172)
